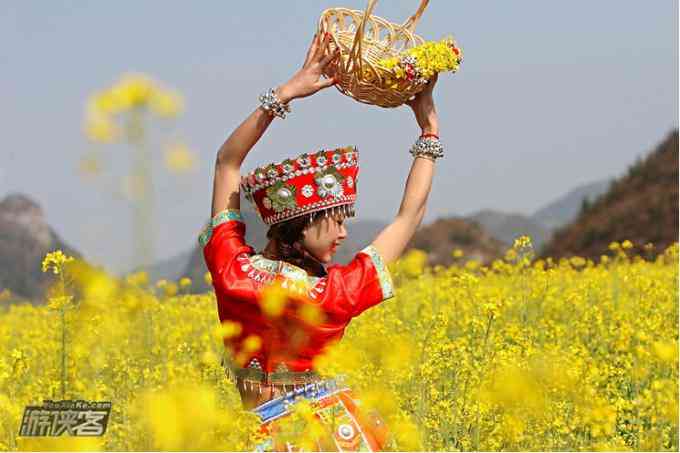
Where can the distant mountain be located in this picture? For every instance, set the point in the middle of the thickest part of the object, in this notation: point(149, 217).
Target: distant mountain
point(168, 269)
point(441, 237)
point(25, 239)
point(506, 227)
point(565, 209)
point(641, 206)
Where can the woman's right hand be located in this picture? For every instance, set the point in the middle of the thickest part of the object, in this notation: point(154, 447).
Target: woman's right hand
point(422, 105)
point(306, 81)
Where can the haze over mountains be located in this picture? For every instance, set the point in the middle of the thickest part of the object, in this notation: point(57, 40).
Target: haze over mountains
point(641, 206)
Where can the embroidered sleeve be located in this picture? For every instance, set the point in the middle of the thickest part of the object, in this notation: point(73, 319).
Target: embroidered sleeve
point(219, 218)
point(362, 283)
point(384, 275)
point(223, 240)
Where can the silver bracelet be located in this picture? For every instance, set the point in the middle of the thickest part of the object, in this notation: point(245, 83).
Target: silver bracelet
point(430, 147)
point(271, 103)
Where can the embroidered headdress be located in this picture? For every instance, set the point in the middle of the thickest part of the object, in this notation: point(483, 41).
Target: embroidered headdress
point(305, 184)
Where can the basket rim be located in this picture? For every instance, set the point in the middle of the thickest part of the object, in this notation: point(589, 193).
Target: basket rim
point(398, 26)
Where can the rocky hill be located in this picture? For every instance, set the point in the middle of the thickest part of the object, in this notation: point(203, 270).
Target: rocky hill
point(641, 206)
point(441, 237)
point(25, 239)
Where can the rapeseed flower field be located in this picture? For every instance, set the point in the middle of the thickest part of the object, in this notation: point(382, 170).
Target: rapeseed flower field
point(522, 354)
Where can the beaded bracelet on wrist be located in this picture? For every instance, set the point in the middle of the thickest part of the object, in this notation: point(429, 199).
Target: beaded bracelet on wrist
point(430, 147)
point(271, 103)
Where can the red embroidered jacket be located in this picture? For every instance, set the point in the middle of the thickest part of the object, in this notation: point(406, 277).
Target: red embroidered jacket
point(288, 344)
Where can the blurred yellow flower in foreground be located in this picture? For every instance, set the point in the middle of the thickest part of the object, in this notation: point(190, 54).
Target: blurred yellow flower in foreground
point(252, 343)
point(311, 314)
point(228, 329)
point(90, 166)
point(100, 128)
point(179, 159)
point(131, 91)
point(273, 300)
point(181, 417)
point(166, 103)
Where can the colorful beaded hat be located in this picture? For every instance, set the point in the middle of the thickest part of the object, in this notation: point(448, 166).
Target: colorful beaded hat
point(305, 184)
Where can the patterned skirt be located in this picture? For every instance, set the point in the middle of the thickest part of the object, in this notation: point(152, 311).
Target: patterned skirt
point(336, 408)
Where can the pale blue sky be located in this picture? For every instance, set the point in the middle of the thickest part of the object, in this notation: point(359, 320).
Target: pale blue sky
point(550, 95)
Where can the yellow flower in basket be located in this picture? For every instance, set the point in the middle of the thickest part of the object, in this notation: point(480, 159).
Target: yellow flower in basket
point(382, 63)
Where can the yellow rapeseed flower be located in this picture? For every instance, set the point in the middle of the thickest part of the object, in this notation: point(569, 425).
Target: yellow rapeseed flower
point(170, 289)
point(101, 129)
point(58, 302)
point(178, 158)
point(414, 262)
point(577, 261)
point(140, 278)
point(55, 261)
point(133, 90)
point(166, 103)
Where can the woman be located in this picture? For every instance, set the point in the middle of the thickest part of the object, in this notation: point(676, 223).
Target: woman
point(304, 200)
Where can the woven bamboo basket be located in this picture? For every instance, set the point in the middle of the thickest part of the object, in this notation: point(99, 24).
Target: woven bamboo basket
point(364, 40)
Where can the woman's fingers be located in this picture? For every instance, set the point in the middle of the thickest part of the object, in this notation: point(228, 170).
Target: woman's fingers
point(327, 82)
point(322, 47)
point(328, 58)
point(313, 50)
point(310, 51)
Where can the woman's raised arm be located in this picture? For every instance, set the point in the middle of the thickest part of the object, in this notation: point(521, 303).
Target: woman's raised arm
point(235, 149)
point(392, 241)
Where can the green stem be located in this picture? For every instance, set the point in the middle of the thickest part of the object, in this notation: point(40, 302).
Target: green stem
point(63, 337)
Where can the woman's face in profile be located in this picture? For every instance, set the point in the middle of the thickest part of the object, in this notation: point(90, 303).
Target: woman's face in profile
point(324, 236)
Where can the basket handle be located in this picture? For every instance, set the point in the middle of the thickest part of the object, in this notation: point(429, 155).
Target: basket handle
point(410, 25)
point(412, 21)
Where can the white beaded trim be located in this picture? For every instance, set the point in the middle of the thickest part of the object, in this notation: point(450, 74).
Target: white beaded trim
point(290, 213)
point(270, 181)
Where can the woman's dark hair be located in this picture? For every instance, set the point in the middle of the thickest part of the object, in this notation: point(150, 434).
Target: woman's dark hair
point(284, 242)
